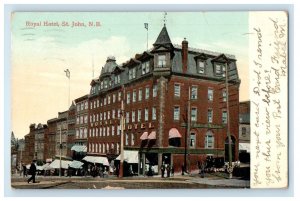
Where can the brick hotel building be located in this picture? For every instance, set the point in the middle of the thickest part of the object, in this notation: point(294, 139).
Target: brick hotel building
point(175, 108)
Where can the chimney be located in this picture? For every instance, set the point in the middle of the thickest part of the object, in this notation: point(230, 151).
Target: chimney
point(184, 55)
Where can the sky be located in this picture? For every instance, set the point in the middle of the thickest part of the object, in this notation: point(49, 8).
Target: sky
point(39, 55)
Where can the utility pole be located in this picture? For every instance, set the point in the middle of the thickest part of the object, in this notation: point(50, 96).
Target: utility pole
point(188, 129)
point(60, 147)
point(122, 135)
point(230, 169)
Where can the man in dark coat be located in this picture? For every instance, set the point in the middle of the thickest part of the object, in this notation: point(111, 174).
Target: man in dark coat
point(32, 172)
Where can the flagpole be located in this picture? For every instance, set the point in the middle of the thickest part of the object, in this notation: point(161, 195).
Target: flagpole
point(146, 27)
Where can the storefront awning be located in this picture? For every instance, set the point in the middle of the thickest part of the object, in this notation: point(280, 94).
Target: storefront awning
point(79, 148)
point(96, 159)
point(152, 135)
point(244, 146)
point(64, 164)
point(130, 156)
point(173, 133)
point(76, 164)
point(144, 136)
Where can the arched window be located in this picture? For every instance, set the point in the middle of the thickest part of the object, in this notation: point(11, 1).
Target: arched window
point(209, 140)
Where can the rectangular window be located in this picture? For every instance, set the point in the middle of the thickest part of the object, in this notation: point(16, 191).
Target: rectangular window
point(154, 91)
point(201, 66)
point(97, 103)
point(134, 96)
point(210, 116)
point(177, 90)
point(133, 116)
point(104, 116)
point(210, 94)
point(176, 113)
point(146, 114)
point(161, 61)
point(100, 116)
point(244, 129)
point(113, 114)
point(107, 131)
point(132, 139)
point(128, 98)
point(194, 93)
point(127, 117)
point(194, 114)
point(209, 141)
point(119, 96)
point(147, 91)
point(108, 115)
point(139, 115)
point(140, 94)
point(78, 108)
point(218, 69)
point(224, 117)
point(105, 84)
point(224, 95)
point(119, 113)
point(104, 131)
point(104, 101)
point(153, 113)
point(85, 119)
point(119, 79)
point(108, 100)
point(192, 140)
point(119, 130)
point(114, 98)
point(132, 73)
point(100, 132)
point(145, 68)
point(126, 139)
point(112, 130)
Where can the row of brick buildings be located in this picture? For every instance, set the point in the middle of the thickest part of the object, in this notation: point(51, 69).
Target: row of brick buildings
point(174, 107)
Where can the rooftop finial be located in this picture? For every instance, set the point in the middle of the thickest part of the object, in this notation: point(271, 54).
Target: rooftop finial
point(165, 18)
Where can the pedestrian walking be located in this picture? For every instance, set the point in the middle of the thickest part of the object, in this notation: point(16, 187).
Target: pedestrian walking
point(32, 172)
point(168, 170)
point(162, 170)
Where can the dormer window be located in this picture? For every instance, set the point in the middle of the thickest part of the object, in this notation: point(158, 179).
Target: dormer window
point(145, 67)
point(220, 70)
point(117, 79)
point(161, 61)
point(132, 73)
point(105, 84)
point(201, 67)
point(101, 85)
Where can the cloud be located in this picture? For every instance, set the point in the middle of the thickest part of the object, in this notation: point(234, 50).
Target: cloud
point(39, 86)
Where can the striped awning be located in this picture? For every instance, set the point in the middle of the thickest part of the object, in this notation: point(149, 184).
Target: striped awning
point(152, 135)
point(144, 136)
point(79, 148)
point(174, 133)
